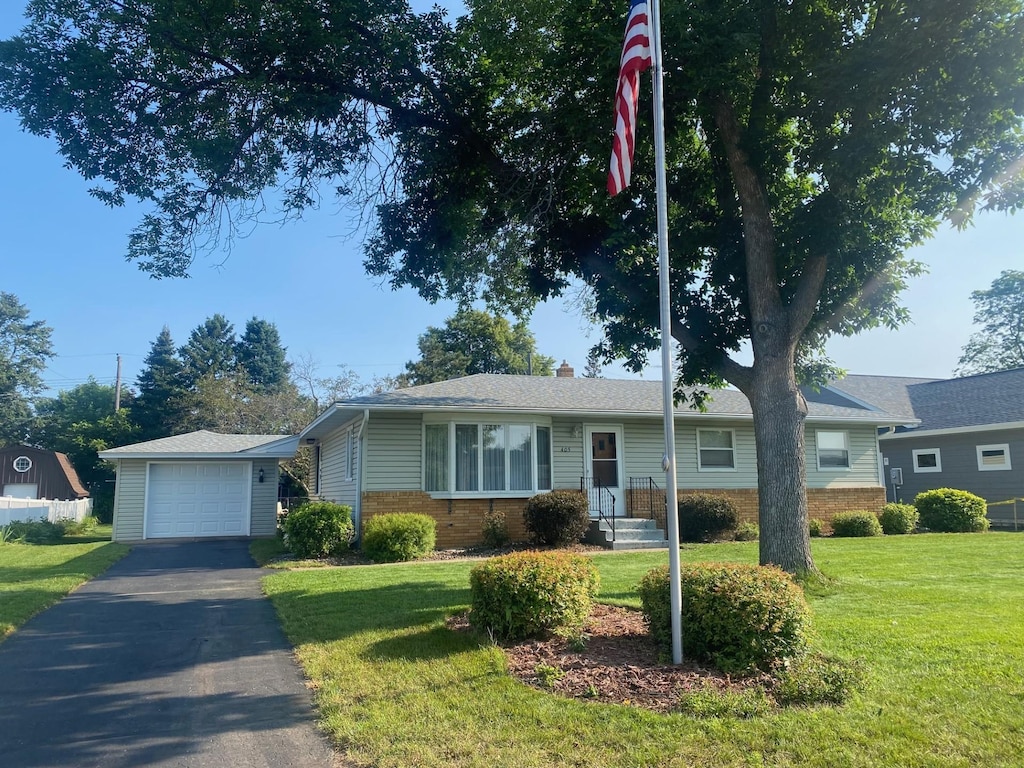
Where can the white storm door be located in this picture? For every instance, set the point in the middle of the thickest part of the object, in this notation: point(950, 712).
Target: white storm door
point(603, 445)
point(194, 499)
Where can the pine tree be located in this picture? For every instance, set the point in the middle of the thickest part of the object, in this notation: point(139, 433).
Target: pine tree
point(160, 405)
point(262, 358)
point(210, 350)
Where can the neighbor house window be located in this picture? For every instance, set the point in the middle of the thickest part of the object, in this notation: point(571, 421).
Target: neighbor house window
point(833, 450)
point(716, 450)
point(927, 460)
point(22, 464)
point(993, 457)
point(486, 458)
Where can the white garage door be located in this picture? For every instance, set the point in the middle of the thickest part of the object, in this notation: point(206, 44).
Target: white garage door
point(197, 499)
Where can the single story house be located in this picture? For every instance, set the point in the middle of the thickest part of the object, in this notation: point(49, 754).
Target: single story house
point(201, 484)
point(456, 449)
point(965, 433)
point(34, 473)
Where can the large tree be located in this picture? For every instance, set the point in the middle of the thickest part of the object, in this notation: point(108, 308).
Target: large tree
point(261, 356)
point(163, 396)
point(999, 310)
point(473, 341)
point(808, 145)
point(211, 350)
point(24, 350)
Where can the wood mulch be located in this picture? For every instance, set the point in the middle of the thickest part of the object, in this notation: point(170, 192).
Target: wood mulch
point(618, 663)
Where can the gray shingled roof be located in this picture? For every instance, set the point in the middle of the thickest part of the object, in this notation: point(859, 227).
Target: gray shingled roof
point(201, 443)
point(971, 401)
point(551, 394)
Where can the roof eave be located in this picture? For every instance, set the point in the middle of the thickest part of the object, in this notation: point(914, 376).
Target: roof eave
point(997, 427)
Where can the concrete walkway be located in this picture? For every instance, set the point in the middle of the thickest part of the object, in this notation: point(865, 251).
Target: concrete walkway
point(171, 658)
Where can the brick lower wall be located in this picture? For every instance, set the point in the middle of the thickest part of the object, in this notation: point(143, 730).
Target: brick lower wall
point(459, 521)
point(822, 503)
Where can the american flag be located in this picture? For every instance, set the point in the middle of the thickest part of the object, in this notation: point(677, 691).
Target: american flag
point(636, 57)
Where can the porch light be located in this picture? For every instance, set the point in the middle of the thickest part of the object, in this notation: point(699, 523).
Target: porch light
point(261, 474)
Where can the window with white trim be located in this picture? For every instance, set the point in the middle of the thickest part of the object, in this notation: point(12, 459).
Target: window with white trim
point(716, 450)
point(833, 449)
point(993, 457)
point(486, 458)
point(350, 455)
point(927, 460)
point(22, 464)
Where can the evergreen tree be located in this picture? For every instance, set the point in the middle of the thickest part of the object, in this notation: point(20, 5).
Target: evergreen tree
point(160, 404)
point(261, 356)
point(210, 350)
point(24, 350)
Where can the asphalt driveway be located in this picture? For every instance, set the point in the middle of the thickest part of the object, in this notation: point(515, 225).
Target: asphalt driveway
point(171, 658)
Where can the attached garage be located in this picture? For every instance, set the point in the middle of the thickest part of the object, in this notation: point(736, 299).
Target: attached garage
point(202, 484)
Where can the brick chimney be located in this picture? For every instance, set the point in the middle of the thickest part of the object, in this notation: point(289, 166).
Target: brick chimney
point(565, 371)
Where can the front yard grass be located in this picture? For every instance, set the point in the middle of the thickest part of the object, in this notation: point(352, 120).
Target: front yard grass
point(936, 619)
point(35, 576)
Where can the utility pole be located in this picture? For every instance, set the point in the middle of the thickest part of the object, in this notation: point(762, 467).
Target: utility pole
point(117, 386)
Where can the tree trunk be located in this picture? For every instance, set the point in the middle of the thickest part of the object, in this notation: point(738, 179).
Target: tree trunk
point(779, 413)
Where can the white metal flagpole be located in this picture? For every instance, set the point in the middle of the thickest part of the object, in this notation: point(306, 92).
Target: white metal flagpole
point(665, 299)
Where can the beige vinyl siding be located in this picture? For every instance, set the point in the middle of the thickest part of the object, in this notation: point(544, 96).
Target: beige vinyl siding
point(335, 485)
point(567, 455)
point(393, 444)
point(863, 469)
point(263, 513)
point(129, 499)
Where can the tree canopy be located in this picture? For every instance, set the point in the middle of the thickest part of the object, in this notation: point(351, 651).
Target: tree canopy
point(999, 310)
point(24, 349)
point(808, 145)
point(473, 341)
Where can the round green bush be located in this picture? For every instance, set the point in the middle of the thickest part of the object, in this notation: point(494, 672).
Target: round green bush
point(318, 529)
point(495, 530)
point(705, 517)
point(526, 594)
point(898, 519)
point(397, 537)
point(739, 617)
point(952, 511)
point(557, 518)
point(856, 523)
point(816, 527)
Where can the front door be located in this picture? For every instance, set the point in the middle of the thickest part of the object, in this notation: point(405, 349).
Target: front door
point(604, 468)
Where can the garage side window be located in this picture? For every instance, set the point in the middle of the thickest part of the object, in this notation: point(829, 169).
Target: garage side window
point(993, 457)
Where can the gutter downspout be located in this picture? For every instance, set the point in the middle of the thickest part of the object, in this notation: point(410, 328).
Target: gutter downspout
point(357, 509)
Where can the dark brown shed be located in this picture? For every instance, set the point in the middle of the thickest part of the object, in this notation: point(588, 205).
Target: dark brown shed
point(32, 473)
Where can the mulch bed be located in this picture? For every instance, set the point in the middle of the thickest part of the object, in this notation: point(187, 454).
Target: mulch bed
point(619, 663)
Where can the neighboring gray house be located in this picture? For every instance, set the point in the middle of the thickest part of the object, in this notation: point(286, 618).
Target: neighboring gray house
point(969, 435)
point(456, 449)
point(202, 484)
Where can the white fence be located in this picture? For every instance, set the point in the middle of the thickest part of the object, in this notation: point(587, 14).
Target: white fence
point(33, 509)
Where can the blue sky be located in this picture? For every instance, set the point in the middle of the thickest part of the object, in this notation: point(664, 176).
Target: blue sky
point(62, 254)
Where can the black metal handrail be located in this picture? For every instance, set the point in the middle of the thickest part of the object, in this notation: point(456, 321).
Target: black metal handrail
point(646, 499)
point(603, 496)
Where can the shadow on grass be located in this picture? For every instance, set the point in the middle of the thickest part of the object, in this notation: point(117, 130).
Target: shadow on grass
point(427, 645)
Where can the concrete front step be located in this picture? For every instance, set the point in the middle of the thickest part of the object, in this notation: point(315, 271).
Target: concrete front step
point(630, 533)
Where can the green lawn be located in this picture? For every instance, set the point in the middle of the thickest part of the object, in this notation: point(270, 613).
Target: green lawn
point(938, 620)
point(35, 576)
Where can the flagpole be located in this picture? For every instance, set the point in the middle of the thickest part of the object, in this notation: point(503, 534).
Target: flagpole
point(665, 303)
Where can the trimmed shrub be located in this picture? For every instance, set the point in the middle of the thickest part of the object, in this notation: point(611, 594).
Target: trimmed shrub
point(318, 529)
point(557, 518)
point(747, 532)
point(739, 617)
point(527, 594)
point(898, 519)
point(705, 517)
point(495, 530)
point(816, 527)
point(398, 537)
point(856, 523)
point(952, 511)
